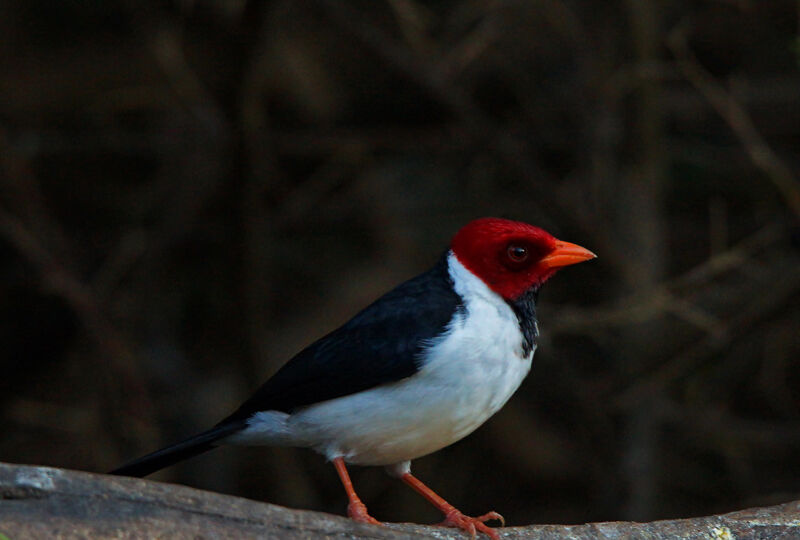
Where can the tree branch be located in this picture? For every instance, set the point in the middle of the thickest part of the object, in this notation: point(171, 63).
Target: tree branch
point(44, 502)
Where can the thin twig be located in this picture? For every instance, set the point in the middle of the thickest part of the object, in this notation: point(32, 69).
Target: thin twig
point(759, 306)
point(734, 114)
point(640, 308)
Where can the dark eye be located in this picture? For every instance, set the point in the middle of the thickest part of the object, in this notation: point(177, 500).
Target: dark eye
point(517, 254)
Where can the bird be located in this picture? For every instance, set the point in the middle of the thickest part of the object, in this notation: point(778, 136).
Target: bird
point(420, 368)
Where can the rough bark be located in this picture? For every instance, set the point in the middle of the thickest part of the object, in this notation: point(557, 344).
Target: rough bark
point(44, 502)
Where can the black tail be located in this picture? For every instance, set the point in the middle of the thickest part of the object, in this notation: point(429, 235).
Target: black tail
point(178, 452)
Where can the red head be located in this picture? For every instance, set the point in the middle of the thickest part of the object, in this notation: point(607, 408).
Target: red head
point(512, 257)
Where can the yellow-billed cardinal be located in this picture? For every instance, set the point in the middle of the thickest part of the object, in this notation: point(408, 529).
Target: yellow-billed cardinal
point(417, 370)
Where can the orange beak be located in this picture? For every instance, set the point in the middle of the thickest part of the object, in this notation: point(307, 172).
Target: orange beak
point(566, 254)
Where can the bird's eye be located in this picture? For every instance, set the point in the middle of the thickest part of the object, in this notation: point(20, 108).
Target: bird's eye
point(517, 253)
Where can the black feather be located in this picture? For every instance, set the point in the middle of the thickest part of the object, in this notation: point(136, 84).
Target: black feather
point(178, 452)
point(381, 344)
point(525, 309)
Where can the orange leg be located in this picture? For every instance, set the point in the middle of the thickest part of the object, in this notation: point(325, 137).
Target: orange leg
point(452, 517)
point(355, 509)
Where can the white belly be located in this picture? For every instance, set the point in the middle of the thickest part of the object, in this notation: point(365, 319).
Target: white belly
point(411, 418)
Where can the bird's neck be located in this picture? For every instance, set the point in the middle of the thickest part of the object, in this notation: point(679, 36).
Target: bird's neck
point(524, 307)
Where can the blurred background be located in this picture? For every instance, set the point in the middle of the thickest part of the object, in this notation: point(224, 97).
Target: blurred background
point(191, 191)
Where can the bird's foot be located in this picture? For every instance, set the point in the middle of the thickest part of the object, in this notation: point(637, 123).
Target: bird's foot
point(358, 512)
point(473, 525)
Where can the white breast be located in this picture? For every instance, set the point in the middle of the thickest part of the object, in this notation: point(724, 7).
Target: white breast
point(467, 375)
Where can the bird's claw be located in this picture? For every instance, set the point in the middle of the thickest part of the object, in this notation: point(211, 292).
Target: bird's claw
point(489, 516)
point(357, 511)
point(473, 525)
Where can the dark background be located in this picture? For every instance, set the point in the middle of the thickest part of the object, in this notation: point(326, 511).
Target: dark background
point(192, 191)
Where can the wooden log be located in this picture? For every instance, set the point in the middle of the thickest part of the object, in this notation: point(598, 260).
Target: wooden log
point(45, 502)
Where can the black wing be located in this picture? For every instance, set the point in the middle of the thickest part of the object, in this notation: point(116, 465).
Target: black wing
point(381, 344)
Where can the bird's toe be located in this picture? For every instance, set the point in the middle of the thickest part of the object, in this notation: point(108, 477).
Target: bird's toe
point(492, 516)
point(473, 525)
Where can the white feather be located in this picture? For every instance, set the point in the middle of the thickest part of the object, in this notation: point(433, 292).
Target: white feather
point(467, 375)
